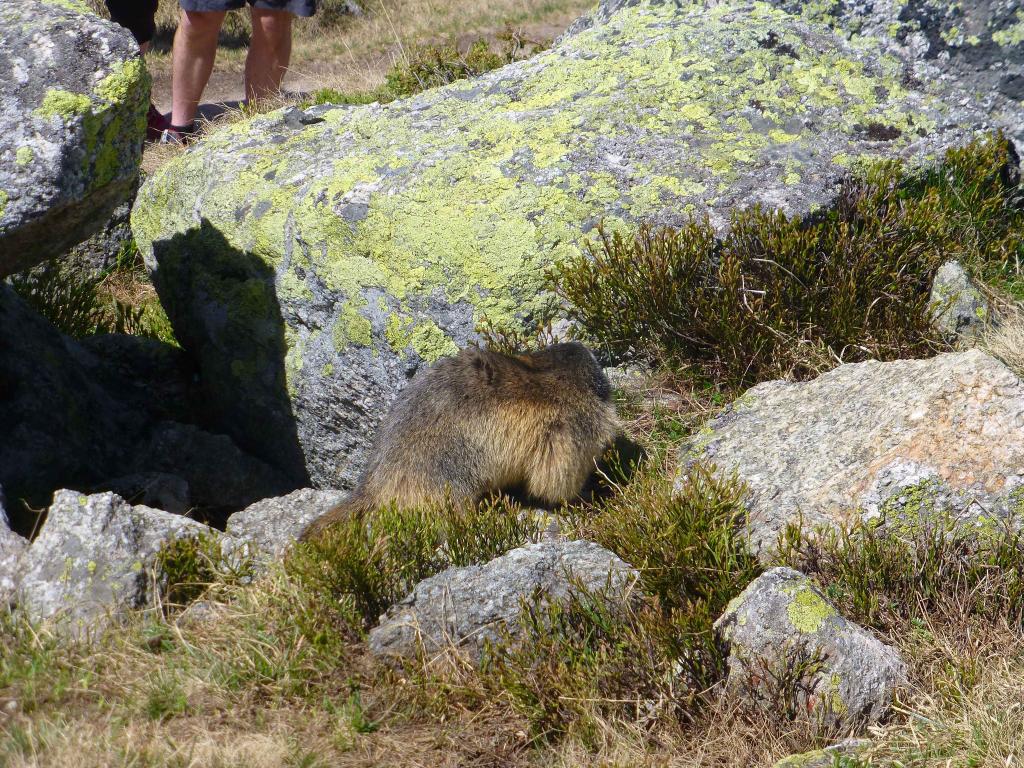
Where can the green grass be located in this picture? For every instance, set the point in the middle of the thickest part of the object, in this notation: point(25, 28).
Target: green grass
point(81, 304)
point(780, 297)
point(575, 665)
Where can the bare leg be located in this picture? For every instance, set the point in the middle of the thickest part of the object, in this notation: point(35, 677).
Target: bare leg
point(270, 50)
point(195, 48)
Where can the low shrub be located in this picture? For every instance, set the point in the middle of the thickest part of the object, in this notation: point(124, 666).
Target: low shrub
point(936, 567)
point(574, 664)
point(784, 297)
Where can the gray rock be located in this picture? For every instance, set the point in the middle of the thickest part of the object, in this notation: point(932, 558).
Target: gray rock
point(958, 309)
point(465, 607)
point(875, 440)
point(782, 620)
point(95, 558)
point(73, 109)
point(976, 49)
point(100, 252)
point(268, 527)
point(12, 547)
point(314, 265)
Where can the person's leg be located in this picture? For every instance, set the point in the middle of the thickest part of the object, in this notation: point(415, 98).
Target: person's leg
point(270, 50)
point(195, 48)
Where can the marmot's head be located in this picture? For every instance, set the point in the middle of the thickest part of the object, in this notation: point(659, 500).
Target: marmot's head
point(572, 365)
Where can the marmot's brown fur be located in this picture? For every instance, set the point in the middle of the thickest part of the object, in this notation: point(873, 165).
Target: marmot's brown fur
point(483, 422)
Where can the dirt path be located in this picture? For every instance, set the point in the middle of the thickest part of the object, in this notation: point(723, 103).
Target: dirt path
point(312, 70)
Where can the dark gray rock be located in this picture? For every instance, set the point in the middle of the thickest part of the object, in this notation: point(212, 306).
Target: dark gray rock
point(313, 265)
point(464, 607)
point(96, 557)
point(267, 528)
point(886, 442)
point(782, 626)
point(63, 426)
point(89, 414)
point(73, 105)
point(159, 490)
point(958, 309)
point(218, 473)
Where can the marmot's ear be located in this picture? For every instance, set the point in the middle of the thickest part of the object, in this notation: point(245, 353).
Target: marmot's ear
point(484, 367)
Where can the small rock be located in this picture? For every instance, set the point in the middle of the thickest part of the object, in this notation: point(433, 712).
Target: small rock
point(781, 619)
point(158, 490)
point(464, 607)
point(95, 558)
point(958, 309)
point(828, 757)
point(12, 547)
point(268, 527)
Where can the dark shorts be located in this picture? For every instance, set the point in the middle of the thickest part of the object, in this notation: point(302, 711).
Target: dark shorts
point(138, 16)
point(296, 7)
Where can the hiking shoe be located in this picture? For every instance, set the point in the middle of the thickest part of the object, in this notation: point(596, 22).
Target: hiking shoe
point(156, 124)
point(180, 134)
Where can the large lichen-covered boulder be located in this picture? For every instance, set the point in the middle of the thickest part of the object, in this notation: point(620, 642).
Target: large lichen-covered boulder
point(95, 557)
point(312, 260)
point(73, 102)
point(974, 48)
point(787, 643)
point(464, 608)
point(882, 443)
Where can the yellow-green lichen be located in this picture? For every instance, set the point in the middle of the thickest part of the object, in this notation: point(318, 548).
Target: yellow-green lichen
point(63, 104)
point(351, 328)
point(3, 201)
point(807, 610)
point(1012, 35)
point(24, 155)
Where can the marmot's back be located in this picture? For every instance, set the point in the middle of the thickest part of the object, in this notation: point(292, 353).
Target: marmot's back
point(482, 422)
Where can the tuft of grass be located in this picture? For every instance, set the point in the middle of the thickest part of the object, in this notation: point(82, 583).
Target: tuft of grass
point(190, 565)
point(784, 297)
point(367, 563)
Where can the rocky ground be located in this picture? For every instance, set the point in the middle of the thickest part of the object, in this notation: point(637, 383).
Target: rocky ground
point(792, 233)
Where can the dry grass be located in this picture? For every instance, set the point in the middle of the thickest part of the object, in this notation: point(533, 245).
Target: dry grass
point(1006, 341)
point(966, 707)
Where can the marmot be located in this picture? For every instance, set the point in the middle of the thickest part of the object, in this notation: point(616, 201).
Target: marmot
point(483, 422)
